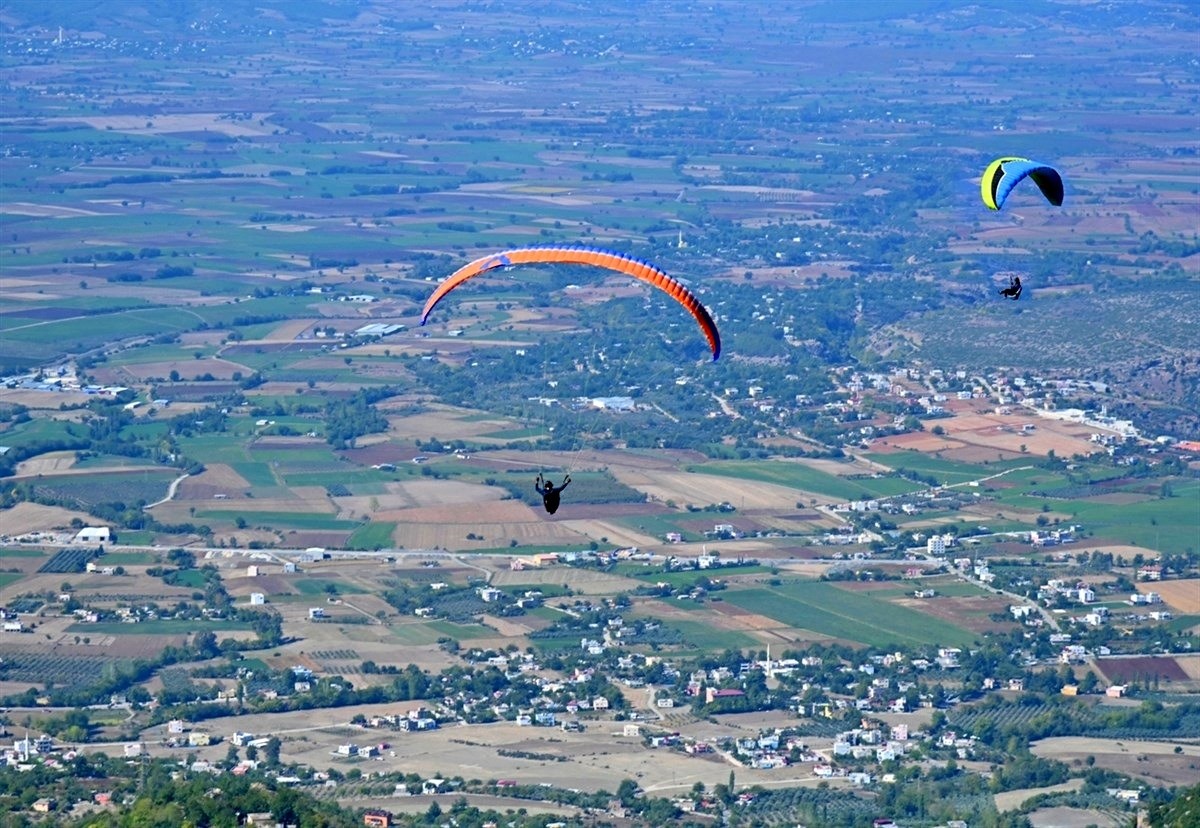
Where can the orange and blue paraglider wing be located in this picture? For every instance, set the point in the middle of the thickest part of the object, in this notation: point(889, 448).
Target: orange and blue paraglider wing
point(596, 257)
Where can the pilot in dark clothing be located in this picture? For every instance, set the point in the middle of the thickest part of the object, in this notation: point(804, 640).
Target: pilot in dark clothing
point(550, 494)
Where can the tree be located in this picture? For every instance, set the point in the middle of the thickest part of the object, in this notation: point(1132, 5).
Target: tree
point(205, 644)
point(626, 792)
point(271, 751)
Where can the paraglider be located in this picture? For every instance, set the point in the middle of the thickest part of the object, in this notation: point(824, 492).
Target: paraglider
point(1003, 174)
point(596, 257)
point(550, 494)
point(1013, 291)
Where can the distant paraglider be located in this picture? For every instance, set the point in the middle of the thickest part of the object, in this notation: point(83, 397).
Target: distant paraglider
point(1013, 291)
point(1004, 174)
point(607, 259)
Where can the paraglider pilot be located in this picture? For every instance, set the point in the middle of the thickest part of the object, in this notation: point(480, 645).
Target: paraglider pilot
point(550, 494)
point(1013, 291)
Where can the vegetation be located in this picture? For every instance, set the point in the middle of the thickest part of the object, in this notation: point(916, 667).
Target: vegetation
point(186, 360)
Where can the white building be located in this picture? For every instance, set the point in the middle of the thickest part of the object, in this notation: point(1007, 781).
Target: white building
point(613, 403)
point(936, 545)
point(94, 534)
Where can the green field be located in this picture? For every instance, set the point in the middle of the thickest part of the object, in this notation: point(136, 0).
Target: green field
point(806, 479)
point(660, 525)
point(1169, 524)
point(193, 578)
point(21, 552)
point(565, 640)
point(137, 537)
point(281, 520)
point(688, 578)
point(130, 488)
point(349, 477)
point(825, 609)
point(1183, 623)
point(703, 636)
point(947, 472)
point(952, 589)
point(372, 536)
point(163, 626)
point(39, 430)
point(1164, 524)
point(129, 558)
point(258, 475)
point(416, 634)
point(316, 586)
point(84, 332)
point(461, 632)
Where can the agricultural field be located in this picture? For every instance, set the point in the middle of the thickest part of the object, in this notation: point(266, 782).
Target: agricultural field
point(972, 435)
point(1154, 762)
point(823, 609)
point(595, 759)
point(190, 268)
point(26, 666)
point(806, 481)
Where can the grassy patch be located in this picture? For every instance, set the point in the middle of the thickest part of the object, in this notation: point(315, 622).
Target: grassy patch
point(371, 536)
point(316, 586)
point(461, 632)
point(557, 642)
point(163, 626)
point(953, 589)
point(416, 634)
point(688, 578)
point(39, 430)
point(129, 488)
point(258, 475)
point(137, 537)
point(281, 520)
point(946, 471)
point(823, 608)
point(1183, 623)
point(806, 479)
point(349, 478)
point(1165, 524)
point(192, 578)
point(704, 636)
point(129, 558)
point(21, 552)
point(660, 525)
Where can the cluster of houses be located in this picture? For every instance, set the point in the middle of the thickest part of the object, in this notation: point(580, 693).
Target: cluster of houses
point(870, 742)
point(26, 749)
point(60, 379)
point(418, 719)
point(1072, 590)
point(1054, 537)
point(573, 557)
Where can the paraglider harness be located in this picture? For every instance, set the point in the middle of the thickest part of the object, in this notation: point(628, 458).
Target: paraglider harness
point(1013, 291)
point(550, 494)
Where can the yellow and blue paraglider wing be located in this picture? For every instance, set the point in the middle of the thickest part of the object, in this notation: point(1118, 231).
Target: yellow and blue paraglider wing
point(1004, 174)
